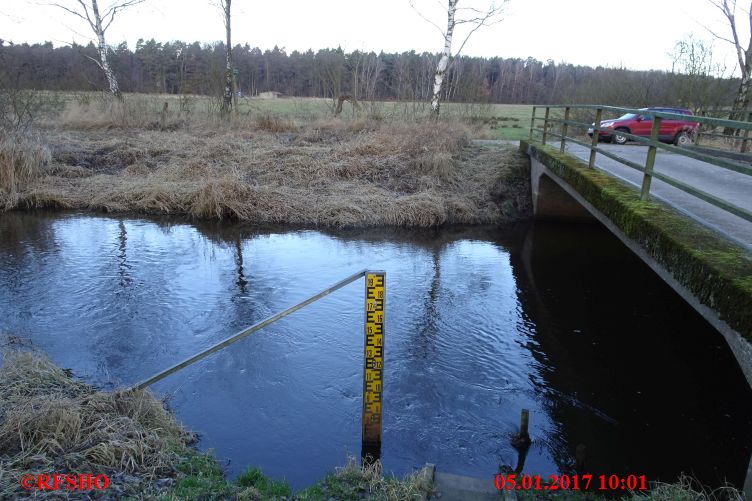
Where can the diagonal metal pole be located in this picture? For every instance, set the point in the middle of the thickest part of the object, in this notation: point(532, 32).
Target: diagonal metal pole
point(250, 330)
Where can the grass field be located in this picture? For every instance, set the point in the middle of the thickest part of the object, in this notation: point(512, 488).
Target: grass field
point(496, 121)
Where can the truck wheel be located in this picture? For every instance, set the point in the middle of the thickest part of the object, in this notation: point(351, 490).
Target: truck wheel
point(618, 138)
point(682, 139)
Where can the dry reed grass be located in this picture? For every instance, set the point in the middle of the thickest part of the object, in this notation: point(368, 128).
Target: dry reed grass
point(22, 159)
point(687, 489)
point(50, 423)
point(323, 172)
point(376, 486)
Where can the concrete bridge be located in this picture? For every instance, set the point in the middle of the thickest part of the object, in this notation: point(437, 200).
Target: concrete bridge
point(710, 270)
point(700, 250)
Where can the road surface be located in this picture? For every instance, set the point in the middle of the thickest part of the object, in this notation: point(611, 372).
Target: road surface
point(725, 184)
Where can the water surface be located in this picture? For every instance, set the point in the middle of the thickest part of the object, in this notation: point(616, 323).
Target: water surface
point(481, 323)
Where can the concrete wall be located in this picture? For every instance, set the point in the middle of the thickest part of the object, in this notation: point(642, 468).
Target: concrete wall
point(551, 201)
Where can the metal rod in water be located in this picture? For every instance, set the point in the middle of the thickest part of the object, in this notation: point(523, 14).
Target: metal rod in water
point(240, 335)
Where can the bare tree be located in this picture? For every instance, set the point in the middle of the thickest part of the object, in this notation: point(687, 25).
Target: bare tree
point(88, 10)
point(471, 17)
point(702, 79)
point(743, 54)
point(229, 87)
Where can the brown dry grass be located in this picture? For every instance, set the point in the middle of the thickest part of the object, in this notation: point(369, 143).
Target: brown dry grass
point(22, 159)
point(322, 172)
point(50, 423)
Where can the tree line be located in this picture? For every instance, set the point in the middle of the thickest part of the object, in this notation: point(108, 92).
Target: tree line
point(194, 68)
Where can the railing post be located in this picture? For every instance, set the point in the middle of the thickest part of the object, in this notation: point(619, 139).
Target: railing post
point(564, 130)
point(650, 160)
point(745, 134)
point(532, 124)
point(373, 365)
point(594, 145)
point(545, 125)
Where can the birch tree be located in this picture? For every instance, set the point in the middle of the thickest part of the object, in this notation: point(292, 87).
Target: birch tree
point(472, 19)
point(743, 48)
point(229, 87)
point(89, 11)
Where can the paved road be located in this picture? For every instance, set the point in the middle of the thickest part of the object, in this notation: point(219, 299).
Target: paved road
point(728, 185)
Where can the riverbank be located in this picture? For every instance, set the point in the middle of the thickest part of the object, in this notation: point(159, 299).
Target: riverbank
point(51, 423)
point(357, 172)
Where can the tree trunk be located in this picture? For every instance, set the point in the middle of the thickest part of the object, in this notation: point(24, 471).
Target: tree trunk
point(227, 102)
point(441, 68)
point(102, 47)
point(741, 104)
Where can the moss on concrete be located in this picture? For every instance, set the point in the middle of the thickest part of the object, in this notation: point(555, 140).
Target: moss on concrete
point(715, 270)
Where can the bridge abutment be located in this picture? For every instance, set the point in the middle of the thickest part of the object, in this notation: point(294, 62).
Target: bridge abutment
point(551, 201)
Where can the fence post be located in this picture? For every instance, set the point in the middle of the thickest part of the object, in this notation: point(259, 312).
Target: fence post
point(545, 125)
point(703, 114)
point(532, 124)
point(373, 366)
point(594, 145)
point(564, 130)
point(745, 134)
point(650, 160)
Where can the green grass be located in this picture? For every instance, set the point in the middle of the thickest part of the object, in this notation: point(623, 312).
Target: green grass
point(267, 488)
point(353, 482)
point(501, 121)
point(200, 477)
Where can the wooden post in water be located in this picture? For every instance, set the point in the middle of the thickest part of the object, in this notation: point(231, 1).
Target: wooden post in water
point(521, 441)
point(579, 455)
point(524, 421)
point(373, 365)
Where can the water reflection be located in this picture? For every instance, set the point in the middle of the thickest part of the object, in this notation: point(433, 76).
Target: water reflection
point(481, 323)
point(626, 366)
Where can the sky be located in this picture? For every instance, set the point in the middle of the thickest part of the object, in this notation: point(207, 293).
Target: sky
point(639, 34)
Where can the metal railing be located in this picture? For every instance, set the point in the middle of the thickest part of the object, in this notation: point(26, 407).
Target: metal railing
point(565, 123)
point(739, 138)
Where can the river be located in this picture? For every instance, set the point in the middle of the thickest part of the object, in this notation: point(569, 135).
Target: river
point(480, 323)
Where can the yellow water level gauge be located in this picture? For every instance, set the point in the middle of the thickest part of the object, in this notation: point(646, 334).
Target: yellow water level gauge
point(373, 368)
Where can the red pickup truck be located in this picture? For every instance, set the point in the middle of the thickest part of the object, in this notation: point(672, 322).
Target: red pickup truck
point(679, 132)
